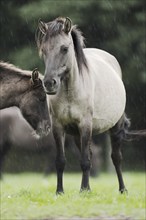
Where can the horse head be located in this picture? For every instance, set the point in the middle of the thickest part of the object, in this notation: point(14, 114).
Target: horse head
point(36, 112)
point(56, 47)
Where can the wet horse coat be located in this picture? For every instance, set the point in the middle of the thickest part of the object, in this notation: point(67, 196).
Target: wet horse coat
point(24, 89)
point(86, 92)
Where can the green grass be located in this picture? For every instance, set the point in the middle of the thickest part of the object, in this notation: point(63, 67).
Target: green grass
point(32, 196)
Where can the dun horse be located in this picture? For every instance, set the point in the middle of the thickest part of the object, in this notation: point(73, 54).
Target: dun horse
point(24, 89)
point(87, 95)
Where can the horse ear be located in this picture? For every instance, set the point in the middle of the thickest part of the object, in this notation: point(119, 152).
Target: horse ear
point(35, 75)
point(67, 25)
point(43, 27)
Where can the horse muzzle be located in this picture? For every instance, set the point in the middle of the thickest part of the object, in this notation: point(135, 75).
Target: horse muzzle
point(51, 86)
point(43, 129)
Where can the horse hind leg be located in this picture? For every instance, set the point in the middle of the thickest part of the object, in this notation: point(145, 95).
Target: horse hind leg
point(117, 135)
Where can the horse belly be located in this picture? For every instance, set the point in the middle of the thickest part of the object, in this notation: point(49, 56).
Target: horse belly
point(109, 103)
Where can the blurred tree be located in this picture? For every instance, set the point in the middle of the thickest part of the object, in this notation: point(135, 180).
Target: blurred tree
point(115, 26)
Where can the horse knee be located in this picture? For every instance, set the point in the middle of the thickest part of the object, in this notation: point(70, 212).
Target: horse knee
point(85, 165)
point(60, 164)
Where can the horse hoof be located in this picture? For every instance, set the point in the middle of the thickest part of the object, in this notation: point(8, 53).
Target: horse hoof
point(60, 193)
point(85, 190)
point(124, 191)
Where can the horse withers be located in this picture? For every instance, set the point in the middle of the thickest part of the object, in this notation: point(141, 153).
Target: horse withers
point(87, 94)
point(24, 90)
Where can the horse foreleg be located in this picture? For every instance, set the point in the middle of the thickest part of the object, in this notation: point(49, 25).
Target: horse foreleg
point(60, 158)
point(85, 158)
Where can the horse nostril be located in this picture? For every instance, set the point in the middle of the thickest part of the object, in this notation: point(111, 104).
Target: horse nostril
point(48, 128)
point(54, 82)
point(50, 83)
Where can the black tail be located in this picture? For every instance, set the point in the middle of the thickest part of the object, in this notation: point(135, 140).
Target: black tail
point(134, 135)
point(123, 132)
point(130, 135)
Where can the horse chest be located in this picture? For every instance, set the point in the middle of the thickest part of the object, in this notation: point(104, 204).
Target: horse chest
point(70, 119)
point(66, 112)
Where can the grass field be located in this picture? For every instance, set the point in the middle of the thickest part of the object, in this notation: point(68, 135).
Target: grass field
point(32, 196)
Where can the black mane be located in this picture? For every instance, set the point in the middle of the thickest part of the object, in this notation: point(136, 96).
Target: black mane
point(78, 42)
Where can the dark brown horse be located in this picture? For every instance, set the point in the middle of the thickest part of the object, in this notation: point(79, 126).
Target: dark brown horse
point(24, 89)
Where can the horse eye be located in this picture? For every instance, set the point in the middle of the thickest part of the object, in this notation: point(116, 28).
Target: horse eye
point(64, 49)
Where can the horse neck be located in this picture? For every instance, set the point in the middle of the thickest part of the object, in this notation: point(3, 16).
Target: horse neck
point(13, 90)
point(73, 81)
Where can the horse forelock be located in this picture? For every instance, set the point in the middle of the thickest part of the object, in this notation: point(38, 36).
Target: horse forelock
point(53, 28)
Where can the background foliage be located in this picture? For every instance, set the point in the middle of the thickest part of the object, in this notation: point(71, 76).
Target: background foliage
point(115, 26)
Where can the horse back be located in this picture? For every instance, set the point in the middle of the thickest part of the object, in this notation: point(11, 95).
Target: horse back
point(105, 57)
